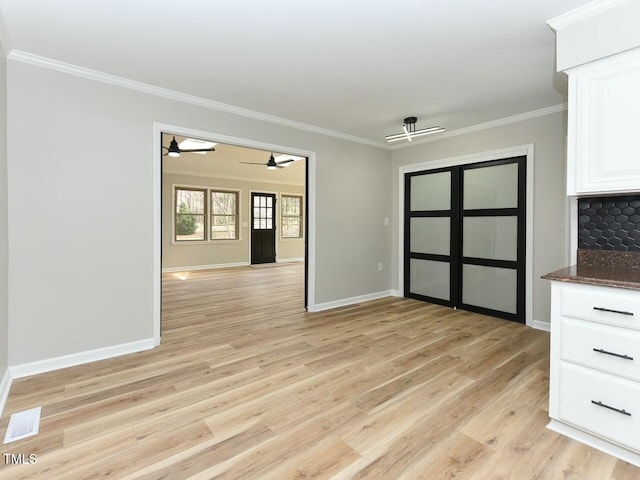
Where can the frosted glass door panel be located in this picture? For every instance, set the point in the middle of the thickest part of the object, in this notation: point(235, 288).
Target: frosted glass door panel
point(491, 187)
point(490, 287)
point(430, 235)
point(429, 278)
point(490, 237)
point(431, 192)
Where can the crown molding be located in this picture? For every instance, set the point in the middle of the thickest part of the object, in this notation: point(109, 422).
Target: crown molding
point(44, 62)
point(582, 13)
point(486, 125)
point(5, 41)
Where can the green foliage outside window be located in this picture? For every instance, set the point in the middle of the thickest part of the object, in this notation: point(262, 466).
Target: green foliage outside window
point(185, 224)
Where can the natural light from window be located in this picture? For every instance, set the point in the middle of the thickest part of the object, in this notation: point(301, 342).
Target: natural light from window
point(194, 144)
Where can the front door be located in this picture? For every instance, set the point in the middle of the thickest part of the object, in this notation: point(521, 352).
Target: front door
point(263, 228)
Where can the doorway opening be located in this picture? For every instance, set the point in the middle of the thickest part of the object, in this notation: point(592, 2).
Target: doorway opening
point(207, 220)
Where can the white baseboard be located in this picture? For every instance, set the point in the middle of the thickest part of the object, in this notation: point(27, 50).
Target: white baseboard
point(319, 307)
point(5, 386)
point(204, 267)
point(396, 293)
point(540, 325)
point(50, 364)
point(290, 260)
point(595, 442)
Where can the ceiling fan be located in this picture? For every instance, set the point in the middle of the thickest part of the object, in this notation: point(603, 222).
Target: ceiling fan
point(174, 150)
point(272, 164)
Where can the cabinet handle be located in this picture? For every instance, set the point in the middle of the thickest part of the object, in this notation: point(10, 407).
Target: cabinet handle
point(621, 312)
point(600, 404)
point(600, 350)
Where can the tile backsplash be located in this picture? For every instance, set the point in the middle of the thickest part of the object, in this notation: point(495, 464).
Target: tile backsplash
point(609, 223)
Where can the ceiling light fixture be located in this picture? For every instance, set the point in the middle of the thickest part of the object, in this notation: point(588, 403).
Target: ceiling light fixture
point(174, 150)
point(286, 160)
point(198, 146)
point(409, 131)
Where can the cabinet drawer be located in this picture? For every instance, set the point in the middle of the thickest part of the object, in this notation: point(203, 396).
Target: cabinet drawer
point(601, 304)
point(580, 388)
point(611, 349)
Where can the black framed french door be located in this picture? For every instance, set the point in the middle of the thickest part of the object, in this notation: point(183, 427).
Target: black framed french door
point(263, 228)
point(465, 237)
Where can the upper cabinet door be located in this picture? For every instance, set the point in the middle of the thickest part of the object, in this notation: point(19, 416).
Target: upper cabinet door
point(604, 126)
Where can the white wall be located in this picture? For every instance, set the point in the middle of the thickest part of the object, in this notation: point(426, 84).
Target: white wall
point(599, 36)
point(81, 224)
point(187, 254)
point(4, 252)
point(548, 134)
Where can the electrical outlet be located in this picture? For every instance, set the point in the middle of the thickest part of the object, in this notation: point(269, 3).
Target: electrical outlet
point(386, 221)
point(380, 267)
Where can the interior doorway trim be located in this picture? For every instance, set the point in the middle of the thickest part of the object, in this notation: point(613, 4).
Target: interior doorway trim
point(520, 150)
point(310, 195)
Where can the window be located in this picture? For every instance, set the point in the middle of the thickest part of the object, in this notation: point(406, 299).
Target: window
point(224, 215)
point(190, 214)
point(203, 214)
point(291, 216)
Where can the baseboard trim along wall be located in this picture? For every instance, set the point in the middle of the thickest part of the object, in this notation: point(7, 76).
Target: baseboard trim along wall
point(290, 260)
point(57, 363)
point(5, 386)
point(204, 267)
point(540, 325)
point(344, 302)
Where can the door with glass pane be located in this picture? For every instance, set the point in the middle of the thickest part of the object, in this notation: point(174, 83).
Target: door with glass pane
point(487, 235)
point(431, 240)
point(263, 228)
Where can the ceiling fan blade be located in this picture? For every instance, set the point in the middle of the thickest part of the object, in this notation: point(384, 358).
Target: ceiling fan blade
point(280, 166)
point(253, 163)
point(286, 161)
point(198, 150)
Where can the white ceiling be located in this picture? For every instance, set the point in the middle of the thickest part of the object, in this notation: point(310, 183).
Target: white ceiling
point(225, 163)
point(353, 66)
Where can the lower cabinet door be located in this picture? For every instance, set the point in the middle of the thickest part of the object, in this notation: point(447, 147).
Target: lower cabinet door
point(602, 404)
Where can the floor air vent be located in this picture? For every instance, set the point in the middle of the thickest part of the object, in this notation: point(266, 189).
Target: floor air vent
point(23, 424)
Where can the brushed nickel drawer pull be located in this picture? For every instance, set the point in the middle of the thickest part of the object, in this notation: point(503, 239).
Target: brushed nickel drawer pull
point(600, 404)
point(621, 312)
point(600, 350)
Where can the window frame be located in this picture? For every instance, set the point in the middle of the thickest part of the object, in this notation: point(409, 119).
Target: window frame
point(213, 190)
point(204, 214)
point(207, 218)
point(283, 216)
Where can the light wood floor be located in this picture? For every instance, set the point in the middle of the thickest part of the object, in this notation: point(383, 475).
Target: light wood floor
point(247, 386)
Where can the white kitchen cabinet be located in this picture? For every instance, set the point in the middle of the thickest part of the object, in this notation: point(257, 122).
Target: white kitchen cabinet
point(603, 150)
point(594, 381)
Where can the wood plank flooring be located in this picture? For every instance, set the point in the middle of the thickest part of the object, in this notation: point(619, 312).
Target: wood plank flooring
point(246, 385)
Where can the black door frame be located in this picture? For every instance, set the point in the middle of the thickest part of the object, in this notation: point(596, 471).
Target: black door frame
point(453, 214)
point(456, 259)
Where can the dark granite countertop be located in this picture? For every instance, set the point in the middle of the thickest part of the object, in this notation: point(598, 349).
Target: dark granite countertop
point(604, 268)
